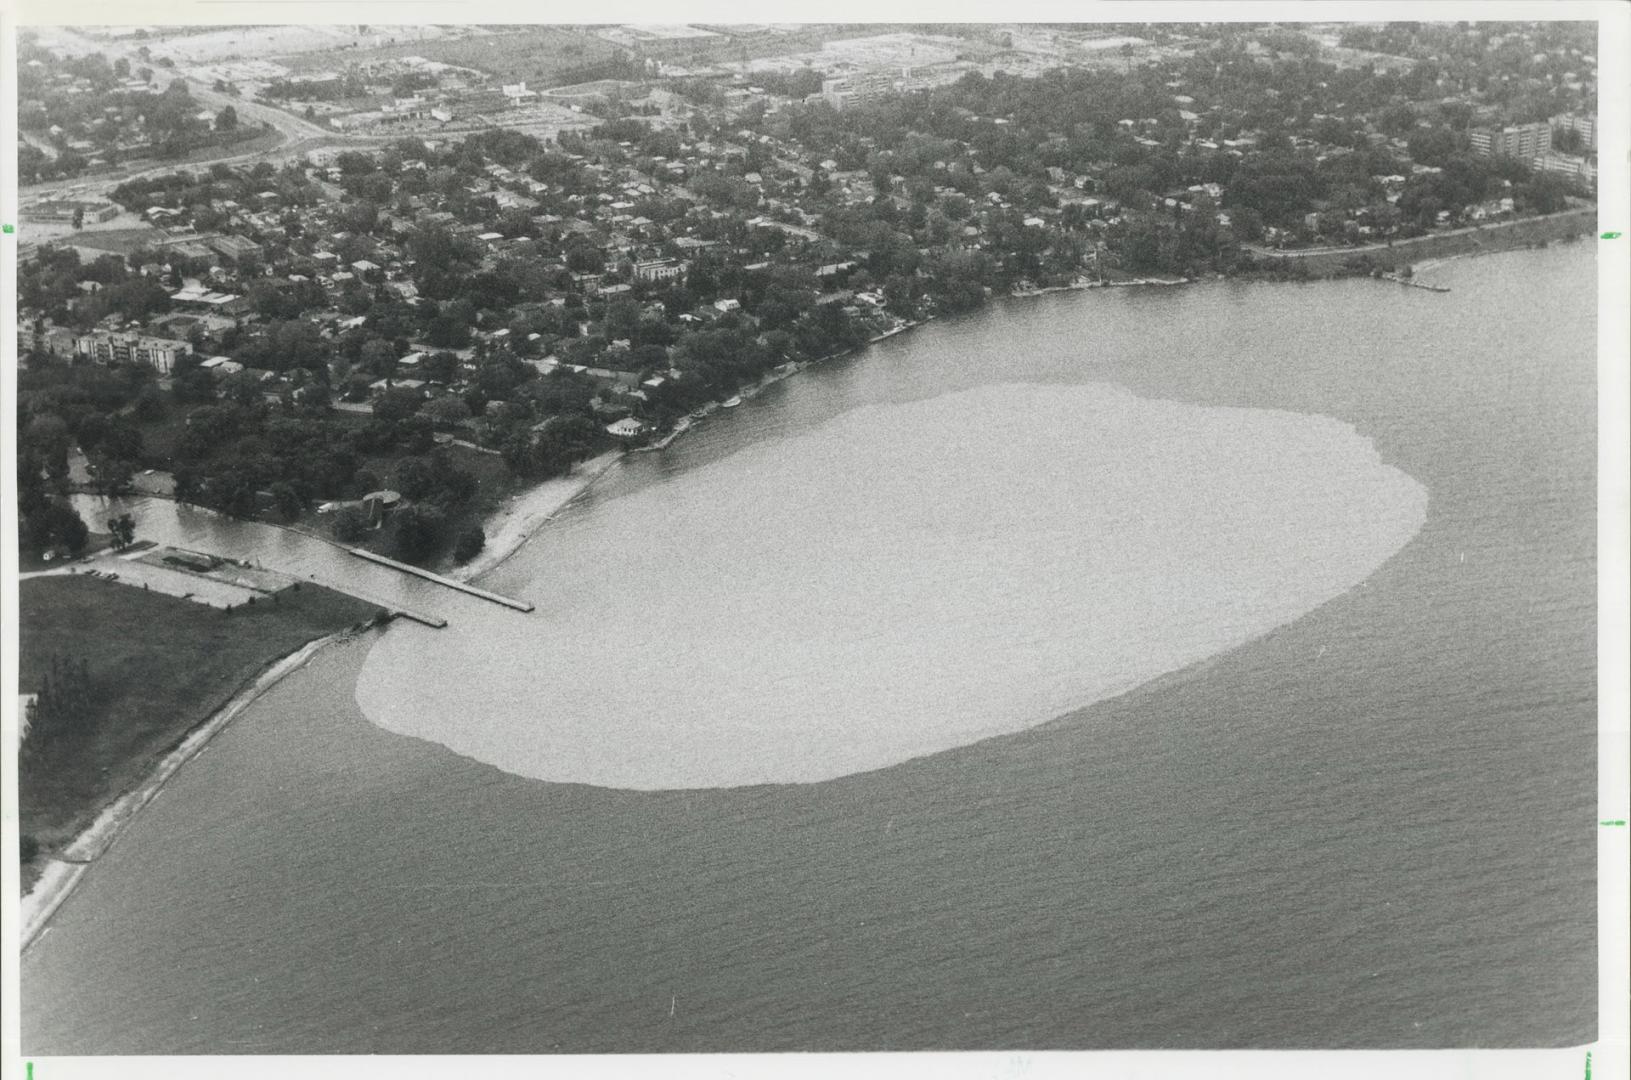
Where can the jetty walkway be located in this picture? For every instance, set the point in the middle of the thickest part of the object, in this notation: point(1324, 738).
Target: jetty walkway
point(434, 621)
point(416, 571)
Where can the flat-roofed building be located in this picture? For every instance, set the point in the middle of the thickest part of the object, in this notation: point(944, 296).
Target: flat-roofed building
point(1585, 125)
point(108, 347)
point(1525, 141)
point(235, 247)
point(858, 89)
point(55, 340)
point(63, 210)
point(1568, 165)
point(656, 270)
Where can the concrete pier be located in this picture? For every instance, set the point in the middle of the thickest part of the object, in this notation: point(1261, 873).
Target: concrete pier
point(518, 605)
point(435, 621)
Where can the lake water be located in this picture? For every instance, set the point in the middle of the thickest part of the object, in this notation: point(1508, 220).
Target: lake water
point(1342, 534)
point(901, 579)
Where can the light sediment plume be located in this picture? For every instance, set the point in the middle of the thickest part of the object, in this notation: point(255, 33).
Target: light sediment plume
point(901, 580)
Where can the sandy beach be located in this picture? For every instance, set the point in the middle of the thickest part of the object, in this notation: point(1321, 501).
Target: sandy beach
point(509, 528)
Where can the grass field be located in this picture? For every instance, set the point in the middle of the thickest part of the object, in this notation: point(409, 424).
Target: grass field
point(151, 688)
point(192, 46)
point(117, 241)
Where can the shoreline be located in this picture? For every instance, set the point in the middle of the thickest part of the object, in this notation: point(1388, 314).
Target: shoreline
point(535, 516)
point(530, 510)
point(65, 869)
point(1477, 239)
point(1081, 284)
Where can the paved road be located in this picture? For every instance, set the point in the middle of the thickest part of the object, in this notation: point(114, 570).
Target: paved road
point(1405, 242)
point(299, 135)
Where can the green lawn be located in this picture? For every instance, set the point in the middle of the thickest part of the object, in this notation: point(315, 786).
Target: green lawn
point(151, 688)
point(117, 241)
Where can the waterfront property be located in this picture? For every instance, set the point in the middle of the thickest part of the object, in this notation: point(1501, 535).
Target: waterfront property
point(627, 428)
point(1138, 668)
point(1219, 853)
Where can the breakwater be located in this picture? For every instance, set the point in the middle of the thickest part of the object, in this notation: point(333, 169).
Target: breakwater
point(460, 586)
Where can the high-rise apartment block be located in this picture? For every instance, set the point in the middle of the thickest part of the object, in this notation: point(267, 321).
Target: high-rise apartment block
point(1526, 141)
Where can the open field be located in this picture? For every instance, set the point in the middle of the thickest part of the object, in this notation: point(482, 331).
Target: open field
point(121, 241)
point(66, 40)
point(540, 55)
point(878, 52)
point(597, 88)
point(150, 688)
point(261, 42)
point(107, 235)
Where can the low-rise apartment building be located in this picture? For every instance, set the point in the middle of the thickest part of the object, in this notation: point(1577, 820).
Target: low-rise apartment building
point(110, 347)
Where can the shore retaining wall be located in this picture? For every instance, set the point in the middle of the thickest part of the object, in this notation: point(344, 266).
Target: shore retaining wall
point(1497, 237)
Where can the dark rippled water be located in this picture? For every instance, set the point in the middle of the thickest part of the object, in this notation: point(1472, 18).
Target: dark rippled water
point(1372, 827)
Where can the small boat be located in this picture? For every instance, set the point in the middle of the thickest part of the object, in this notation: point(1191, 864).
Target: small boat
point(732, 402)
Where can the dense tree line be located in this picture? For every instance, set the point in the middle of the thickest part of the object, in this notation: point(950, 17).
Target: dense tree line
point(64, 705)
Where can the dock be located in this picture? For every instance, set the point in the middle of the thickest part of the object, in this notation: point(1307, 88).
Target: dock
point(1414, 284)
point(417, 571)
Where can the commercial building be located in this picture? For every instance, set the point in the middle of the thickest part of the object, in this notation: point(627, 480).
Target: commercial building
point(235, 247)
point(62, 211)
point(518, 94)
point(857, 89)
point(197, 298)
